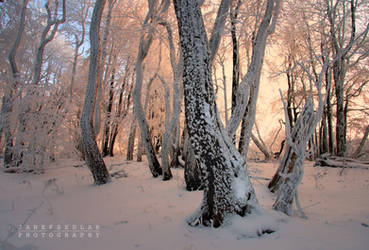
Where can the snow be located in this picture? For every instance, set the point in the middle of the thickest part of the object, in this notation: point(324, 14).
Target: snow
point(140, 212)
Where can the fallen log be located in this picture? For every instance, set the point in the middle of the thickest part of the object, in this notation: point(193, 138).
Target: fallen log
point(340, 163)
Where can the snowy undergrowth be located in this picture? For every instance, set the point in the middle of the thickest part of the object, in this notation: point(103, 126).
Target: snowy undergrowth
point(136, 211)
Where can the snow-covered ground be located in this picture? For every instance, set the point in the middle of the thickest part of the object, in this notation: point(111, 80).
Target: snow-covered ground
point(136, 211)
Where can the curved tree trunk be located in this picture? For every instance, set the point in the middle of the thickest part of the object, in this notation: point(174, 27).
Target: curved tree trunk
point(291, 168)
point(7, 100)
point(290, 157)
point(252, 77)
point(227, 188)
point(177, 99)
point(145, 43)
point(46, 37)
point(100, 83)
point(93, 157)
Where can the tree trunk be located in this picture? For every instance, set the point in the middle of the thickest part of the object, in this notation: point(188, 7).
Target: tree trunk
point(7, 100)
point(46, 37)
point(100, 79)
point(192, 171)
point(108, 122)
point(235, 54)
point(227, 188)
point(131, 140)
point(339, 76)
point(290, 156)
point(177, 101)
point(261, 147)
point(291, 167)
point(253, 74)
point(324, 140)
point(145, 43)
point(140, 116)
point(94, 160)
point(167, 174)
point(362, 143)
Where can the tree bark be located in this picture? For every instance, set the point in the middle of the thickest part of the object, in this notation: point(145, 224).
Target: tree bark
point(93, 157)
point(235, 53)
point(261, 147)
point(227, 188)
point(362, 143)
point(78, 44)
point(292, 168)
point(108, 118)
point(131, 140)
point(192, 171)
point(100, 83)
point(252, 78)
point(7, 100)
point(176, 65)
point(46, 37)
point(145, 43)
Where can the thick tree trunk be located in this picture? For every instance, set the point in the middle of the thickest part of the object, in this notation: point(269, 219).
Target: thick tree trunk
point(227, 188)
point(93, 157)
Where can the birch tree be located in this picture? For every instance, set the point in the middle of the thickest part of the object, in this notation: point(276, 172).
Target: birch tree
point(92, 155)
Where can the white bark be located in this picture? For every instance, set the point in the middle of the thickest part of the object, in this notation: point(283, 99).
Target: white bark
point(7, 100)
point(100, 83)
point(93, 157)
point(176, 65)
point(290, 172)
point(227, 188)
point(148, 26)
point(252, 77)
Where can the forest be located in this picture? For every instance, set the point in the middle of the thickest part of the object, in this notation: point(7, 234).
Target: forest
point(232, 111)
